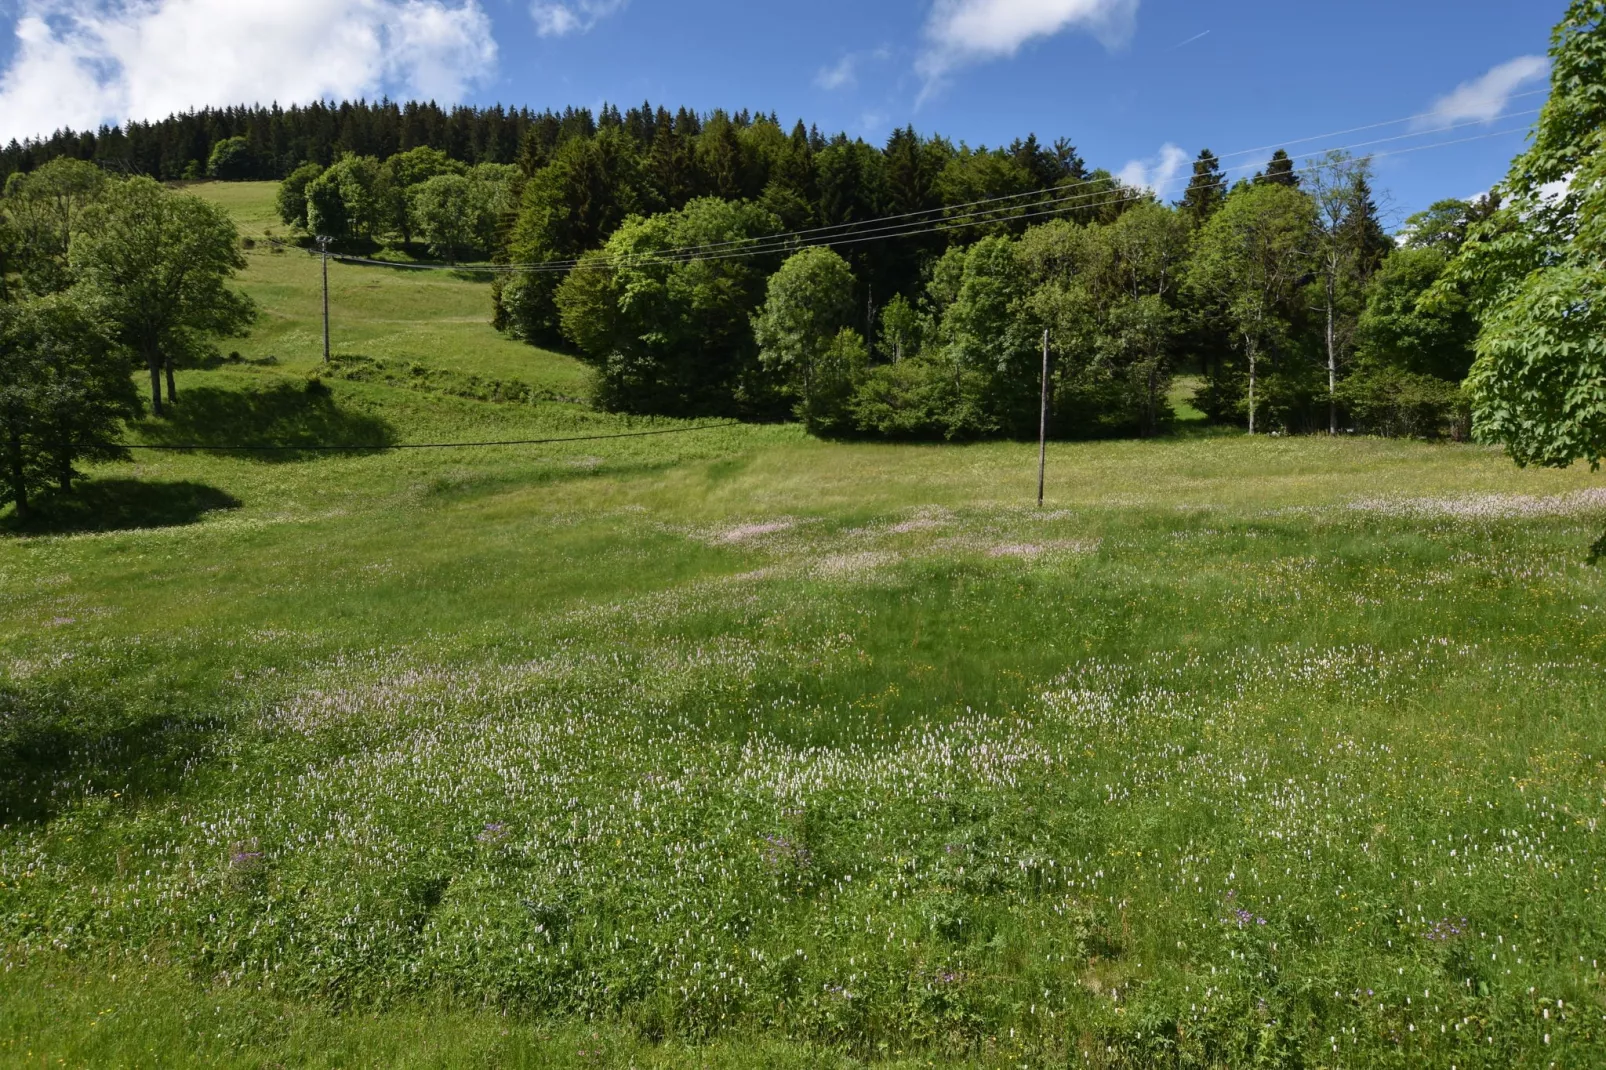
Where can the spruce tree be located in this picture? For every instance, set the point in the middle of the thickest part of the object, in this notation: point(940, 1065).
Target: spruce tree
point(1279, 171)
point(1206, 191)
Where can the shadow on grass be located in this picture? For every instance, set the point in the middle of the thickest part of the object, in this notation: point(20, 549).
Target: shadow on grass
point(282, 423)
point(53, 734)
point(120, 505)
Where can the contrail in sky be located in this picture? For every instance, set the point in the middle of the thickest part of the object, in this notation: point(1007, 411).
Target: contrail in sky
point(1191, 40)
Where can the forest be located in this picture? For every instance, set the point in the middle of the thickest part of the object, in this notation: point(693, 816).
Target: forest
point(943, 265)
point(719, 265)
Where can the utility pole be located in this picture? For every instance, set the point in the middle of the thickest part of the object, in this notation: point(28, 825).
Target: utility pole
point(1042, 430)
point(323, 247)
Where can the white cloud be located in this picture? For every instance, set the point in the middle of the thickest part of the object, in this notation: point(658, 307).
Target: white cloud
point(960, 32)
point(1486, 98)
point(1158, 174)
point(558, 18)
point(84, 62)
point(844, 73)
point(841, 75)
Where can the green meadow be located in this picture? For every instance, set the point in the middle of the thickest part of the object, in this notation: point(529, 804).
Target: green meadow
point(726, 747)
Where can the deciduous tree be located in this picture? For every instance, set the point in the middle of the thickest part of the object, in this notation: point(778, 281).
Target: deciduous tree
point(1249, 259)
point(809, 303)
point(155, 266)
point(1536, 269)
point(64, 391)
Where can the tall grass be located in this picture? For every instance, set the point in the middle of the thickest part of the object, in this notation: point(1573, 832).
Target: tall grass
point(732, 748)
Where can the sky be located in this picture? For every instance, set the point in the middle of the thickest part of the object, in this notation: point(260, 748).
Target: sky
point(1140, 86)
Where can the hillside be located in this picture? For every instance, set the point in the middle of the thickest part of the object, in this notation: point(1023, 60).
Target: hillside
point(429, 318)
point(732, 747)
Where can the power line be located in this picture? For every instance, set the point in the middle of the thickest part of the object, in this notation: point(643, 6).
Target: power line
point(700, 251)
point(1393, 122)
point(377, 448)
point(768, 244)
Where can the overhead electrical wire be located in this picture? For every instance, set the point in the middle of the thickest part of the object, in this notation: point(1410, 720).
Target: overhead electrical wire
point(698, 250)
point(380, 447)
point(1045, 203)
point(837, 235)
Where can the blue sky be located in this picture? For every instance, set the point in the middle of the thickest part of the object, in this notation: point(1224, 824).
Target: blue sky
point(1124, 79)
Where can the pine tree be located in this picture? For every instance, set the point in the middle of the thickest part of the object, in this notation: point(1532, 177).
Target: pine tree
point(1279, 171)
point(1206, 191)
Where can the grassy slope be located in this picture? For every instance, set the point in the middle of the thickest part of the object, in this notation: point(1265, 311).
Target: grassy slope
point(736, 735)
point(432, 318)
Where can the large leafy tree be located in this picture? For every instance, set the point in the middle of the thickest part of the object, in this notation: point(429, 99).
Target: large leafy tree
point(347, 200)
point(988, 337)
point(398, 180)
point(1445, 224)
point(64, 390)
point(1349, 246)
point(1249, 260)
point(1108, 294)
point(291, 201)
point(449, 214)
point(231, 160)
point(808, 305)
point(1536, 269)
point(672, 334)
point(568, 207)
point(45, 209)
point(1410, 355)
point(155, 265)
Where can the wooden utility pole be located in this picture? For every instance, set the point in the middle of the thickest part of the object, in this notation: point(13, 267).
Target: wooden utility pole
point(1042, 430)
point(323, 247)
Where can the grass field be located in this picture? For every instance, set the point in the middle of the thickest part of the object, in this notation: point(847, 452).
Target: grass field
point(729, 748)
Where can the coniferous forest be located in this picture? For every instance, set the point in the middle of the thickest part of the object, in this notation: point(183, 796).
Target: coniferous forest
point(720, 264)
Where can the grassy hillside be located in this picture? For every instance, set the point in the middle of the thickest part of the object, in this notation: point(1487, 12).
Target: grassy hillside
point(732, 748)
point(431, 318)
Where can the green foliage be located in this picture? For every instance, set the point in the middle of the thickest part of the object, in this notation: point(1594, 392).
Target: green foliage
point(291, 201)
point(1388, 399)
point(1444, 225)
point(567, 208)
point(41, 212)
point(1207, 189)
point(1108, 295)
point(454, 214)
point(1400, 329)
point(798, 331)
point(902, 329)
point(154, 265)
point(1536, 268)
point(1539, 384)
point(347, 201)
point(231, 160)
point(737, 748)
point(985, 337)
point(672, 336)
point(64, 392)
point(1248, 262)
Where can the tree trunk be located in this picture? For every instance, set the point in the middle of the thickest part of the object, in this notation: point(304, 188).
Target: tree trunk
point(1151, 417)
point(154, 363)
point(19, 480)
point(1332, 356)
point(1249, 346)
point(172, 390)
point(64, 456)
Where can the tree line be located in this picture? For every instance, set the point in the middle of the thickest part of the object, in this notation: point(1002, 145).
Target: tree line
point(1282, 290)
point(100, 276)
point(1296, 307)
point(267, 143)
